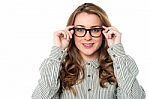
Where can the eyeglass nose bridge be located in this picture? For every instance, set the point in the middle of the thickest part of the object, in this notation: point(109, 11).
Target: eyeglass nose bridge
point(89, 32)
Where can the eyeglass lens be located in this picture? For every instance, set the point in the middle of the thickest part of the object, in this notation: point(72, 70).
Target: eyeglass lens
point(94, 32)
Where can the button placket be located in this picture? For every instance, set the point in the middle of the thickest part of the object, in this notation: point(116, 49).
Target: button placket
point(61, 57)
point(89, 75)
point(89, 78)
point(89, 89)
point(89, 70)
point(118, 92)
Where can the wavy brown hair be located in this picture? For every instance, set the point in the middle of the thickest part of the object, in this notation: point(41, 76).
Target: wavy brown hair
point(72, 71)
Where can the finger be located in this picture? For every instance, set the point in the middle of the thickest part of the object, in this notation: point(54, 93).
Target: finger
point(70, 32)
point(109, 28)
point(67, 35)
point(111, 34)
point(106, 29)
point(64, 34)
point(60, 33)
point(69, 27)
point(114, 28)
point(105, 34)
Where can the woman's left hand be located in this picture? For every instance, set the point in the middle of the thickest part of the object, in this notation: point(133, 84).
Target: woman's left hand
point(112, 35)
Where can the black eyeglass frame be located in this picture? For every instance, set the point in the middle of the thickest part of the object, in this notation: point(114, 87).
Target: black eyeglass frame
point(86, 31)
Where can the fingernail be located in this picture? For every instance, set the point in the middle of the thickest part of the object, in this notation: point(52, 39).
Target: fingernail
point(103, 26)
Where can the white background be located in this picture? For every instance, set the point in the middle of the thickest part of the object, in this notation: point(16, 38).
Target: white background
point(26, 28)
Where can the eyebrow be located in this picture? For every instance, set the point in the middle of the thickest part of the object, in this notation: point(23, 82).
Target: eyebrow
point(90, 27)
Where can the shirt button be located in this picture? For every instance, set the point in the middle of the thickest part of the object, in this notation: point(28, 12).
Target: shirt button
point(89, 89)
point(88, 63)
point(59, 58)
point(61, 51)
point(114, 55)
point(119, 89)
point(118, 67)
point(89, 75)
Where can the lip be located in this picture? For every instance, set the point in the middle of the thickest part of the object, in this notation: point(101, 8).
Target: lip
point(88, 45)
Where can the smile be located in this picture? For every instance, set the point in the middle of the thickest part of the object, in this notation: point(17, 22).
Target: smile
point(88, 45)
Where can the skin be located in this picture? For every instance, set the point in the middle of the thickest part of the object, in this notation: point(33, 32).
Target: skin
point(87, 45)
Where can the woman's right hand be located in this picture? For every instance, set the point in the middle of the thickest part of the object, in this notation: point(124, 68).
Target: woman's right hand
point(63, 37)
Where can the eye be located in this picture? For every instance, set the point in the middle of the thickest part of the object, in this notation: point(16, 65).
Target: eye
point(96, 30)
point(79, 29)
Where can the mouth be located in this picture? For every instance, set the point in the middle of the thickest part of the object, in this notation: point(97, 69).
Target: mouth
point(88, 45)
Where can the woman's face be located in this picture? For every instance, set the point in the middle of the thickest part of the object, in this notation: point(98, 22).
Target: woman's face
point(88, 46)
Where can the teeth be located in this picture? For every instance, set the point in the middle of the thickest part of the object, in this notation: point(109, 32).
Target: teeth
point(88, 45)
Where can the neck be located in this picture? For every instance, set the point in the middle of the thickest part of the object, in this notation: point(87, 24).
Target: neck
point(87, 58)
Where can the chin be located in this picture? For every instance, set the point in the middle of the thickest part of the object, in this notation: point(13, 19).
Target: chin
point(88, 53)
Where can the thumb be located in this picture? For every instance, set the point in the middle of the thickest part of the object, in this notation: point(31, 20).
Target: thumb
point(72, 31)
point(105, 34)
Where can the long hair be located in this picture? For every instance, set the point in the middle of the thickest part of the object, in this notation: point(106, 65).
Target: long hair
point(72, 70)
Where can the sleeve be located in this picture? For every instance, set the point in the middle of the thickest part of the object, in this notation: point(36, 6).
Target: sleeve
point(49, 84)
point(125, 70)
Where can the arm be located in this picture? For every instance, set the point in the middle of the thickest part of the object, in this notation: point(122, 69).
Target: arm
point(125, 70)
point(48, 85)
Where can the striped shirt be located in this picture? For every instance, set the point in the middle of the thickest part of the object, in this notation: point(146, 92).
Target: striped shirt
point(125, 70)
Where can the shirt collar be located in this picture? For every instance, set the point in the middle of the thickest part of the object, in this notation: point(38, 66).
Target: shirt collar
point(93, 63)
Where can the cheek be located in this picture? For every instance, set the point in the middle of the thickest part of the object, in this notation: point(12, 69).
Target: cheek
point(76, 40)
point(98, 42)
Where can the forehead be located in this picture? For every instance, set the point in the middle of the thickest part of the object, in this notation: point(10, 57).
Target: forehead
point(87, 20)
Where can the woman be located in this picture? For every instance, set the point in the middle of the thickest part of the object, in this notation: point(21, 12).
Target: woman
point(88, 61)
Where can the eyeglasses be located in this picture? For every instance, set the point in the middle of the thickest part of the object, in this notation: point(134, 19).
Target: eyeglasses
point(94, 32)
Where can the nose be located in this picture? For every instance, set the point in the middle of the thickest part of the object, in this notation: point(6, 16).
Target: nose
point(87, 36)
